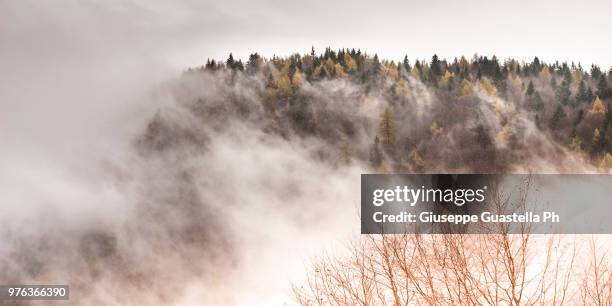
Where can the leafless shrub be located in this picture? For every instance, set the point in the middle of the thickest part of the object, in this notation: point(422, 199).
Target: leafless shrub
point(464, 269)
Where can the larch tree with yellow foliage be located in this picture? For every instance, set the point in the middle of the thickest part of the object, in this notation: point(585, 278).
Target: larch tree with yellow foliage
point(297, 80)
point(416, 161)
point(465, 90)
point(435, 129)
point(596, 136)
point(400, 88)
point(350, 63)
point(598, 106)
point(339, 71)
point(606, 161)
point(281, 78)
point(446, 78)
point(576, 145)
point(391, 70)
point(488, 87)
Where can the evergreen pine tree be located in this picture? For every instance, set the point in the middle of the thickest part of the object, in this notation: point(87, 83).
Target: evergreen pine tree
point(230, 62)
point(581, 94)
point(406, 63)
point(434, 69)
point(387, 126)
point(557, 117)
point(602, 87)
point(537, 104)
point(553, 83)
point(563, 91)
point(253, 63)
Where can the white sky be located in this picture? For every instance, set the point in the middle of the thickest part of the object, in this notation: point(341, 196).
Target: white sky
point(186, 32)
point(552, 30)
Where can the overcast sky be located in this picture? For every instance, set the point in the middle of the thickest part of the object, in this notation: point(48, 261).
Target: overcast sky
point(186, 32)
point(554, 30)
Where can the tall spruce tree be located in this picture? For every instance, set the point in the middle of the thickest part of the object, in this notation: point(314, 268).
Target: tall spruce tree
point(563, 92)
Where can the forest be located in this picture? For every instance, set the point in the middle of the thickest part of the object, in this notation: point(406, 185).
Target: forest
point(479, 115)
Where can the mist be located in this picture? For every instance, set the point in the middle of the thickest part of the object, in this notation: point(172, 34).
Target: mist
point(137, 182)
point(86, 203)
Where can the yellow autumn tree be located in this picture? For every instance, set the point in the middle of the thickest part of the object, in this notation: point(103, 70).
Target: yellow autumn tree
point(606, 161)
point(465, 90)
point(598, 106)
point(596, 136)
point(576, 145)
point(297, 79)
point(488, 87)
point(391, 70)
point(435, 129)
point(281, 78)
point(503, 134)
point(351, 64)
point(320, 69)
point(416, 161)
point(329, 65)
point(576, 77)
point(339, 71)
point(400, 88)
point(446, 78)
point(270, 96)
point(414, 72)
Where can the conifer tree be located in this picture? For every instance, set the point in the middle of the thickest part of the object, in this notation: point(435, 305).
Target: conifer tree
point(576, 145)
point(553, 83)
point(465, 90)
point(416, 161)
point(376, 66)
point(435, 129)
point(606, 161)
point(210, 65)
point(589, 95)
point(406, 63)
point(376, 155)
point(482, 136)
point(230, 62)
point(557, 117)
point(387, 126)
point(596, 137)
point(488, 86)
point(536, 103)
point(581, 94)
point(598, 106)
point(595, 72)
point(253, 64)
point(602, 87)
point(434, 69)
point(577, 121)
point(563, 91)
